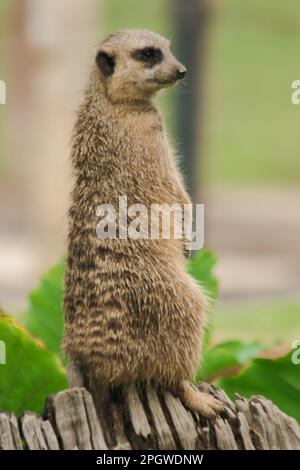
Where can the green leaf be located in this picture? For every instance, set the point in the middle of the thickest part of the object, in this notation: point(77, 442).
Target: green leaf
point(276, 379)
point(44, 315)
point(30, 372)
point(201, 268)
point(224, 357)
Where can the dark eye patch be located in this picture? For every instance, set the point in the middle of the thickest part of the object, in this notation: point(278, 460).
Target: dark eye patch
point(149, 55)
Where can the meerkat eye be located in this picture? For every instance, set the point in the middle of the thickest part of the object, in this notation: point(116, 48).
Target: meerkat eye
point(150, 55)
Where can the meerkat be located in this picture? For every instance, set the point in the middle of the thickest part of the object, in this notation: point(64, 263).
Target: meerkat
point(132, 313)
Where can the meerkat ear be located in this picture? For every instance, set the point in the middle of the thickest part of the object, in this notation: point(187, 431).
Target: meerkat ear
point(106, 63)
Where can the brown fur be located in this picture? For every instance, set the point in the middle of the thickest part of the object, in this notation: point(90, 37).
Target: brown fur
point(132, 313)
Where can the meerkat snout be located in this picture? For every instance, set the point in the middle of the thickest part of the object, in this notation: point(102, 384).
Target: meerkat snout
point(135, 64)
point(181, 73)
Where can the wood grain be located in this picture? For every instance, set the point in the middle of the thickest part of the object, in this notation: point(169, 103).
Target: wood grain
point(145, 419)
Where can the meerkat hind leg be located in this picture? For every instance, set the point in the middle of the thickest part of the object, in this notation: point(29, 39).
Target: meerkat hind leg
point(200, 402)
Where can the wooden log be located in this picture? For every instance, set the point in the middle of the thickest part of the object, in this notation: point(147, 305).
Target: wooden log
point(146, 419)
point(38, 433)
point(9, 433)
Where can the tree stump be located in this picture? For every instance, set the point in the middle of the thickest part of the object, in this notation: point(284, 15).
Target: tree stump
point(146, 419)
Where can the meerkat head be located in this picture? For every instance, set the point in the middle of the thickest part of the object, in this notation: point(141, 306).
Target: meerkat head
point(134, 64)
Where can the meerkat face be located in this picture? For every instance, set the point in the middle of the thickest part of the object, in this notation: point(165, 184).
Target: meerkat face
point(135, 64)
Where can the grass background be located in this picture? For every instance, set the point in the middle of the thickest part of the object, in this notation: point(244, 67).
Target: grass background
point(270, 322)
point(253, 125)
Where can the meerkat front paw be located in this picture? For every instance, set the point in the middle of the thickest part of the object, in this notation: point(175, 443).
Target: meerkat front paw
point(201, 402)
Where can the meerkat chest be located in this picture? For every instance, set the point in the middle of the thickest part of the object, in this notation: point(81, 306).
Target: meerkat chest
point(146, 137)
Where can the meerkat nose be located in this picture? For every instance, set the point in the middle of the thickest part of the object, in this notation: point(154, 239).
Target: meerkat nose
point(181, 73)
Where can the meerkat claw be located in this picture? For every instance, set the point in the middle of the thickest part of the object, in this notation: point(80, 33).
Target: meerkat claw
point(203, 403)
point(208, 406)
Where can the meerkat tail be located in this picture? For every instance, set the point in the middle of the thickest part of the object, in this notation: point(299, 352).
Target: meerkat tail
point(200, 402)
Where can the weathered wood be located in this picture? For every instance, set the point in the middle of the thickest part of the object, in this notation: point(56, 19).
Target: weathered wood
point(9, 433)
point(145, 419)
point(38, 433)
point(74, 417)
point(183, 426)
point(162, 431)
